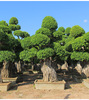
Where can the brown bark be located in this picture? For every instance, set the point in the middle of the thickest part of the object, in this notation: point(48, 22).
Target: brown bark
point(49, 74)
point(4, 70)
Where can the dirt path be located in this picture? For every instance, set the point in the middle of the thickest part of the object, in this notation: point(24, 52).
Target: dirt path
point(26, 90)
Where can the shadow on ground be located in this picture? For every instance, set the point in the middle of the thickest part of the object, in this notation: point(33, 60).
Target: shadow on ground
point(29, 78)
point(67, 96)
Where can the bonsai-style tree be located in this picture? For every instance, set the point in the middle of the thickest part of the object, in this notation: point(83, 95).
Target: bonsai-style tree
point(77, 45)
point(7, 54)
point(8, 43)
point(13, 24)
point(6, 57)
point(45, 51)
point(80, 47)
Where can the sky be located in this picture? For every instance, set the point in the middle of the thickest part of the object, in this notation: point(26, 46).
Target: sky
point(31, 13)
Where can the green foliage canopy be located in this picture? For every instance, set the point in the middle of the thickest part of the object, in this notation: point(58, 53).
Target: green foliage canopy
point(17, 33)
point(50, 23)
point(86, 37)
point(13, 20)
point(45, 53)
point(44, 31)
point(67, 31)
point(14, 27)
point(24, 34)
point(78, 44)
point(60, 51)
point(40, 40)
point(6, 29)
point(21, 34)
point(76, 31)
point(26, 43)
point(62, 29)
point(3, 23)
point(7, 56)
point(28, 55)
point(80, 56)
point(58, 34)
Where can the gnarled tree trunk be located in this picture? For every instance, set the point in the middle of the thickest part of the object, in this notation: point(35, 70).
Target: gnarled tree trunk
point(4, 70)
point(64, 67)
point(18, 66)
point(79, 67)
point(49, 74)
point(85, 70)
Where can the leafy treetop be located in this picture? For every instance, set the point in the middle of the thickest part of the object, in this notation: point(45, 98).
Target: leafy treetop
point(50, 23)
point(3, 23)
point(76, 31)
point(62, 29)
point(13, 20)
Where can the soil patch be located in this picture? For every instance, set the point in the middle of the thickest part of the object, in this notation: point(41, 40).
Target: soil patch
point(26, 89)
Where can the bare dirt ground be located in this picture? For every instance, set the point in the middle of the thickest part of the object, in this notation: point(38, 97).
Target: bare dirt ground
point(26, 90)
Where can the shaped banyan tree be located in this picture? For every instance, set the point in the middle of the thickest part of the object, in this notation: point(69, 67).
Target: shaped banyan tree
point(42, 41)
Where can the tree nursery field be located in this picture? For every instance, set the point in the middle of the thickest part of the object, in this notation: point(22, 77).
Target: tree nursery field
point(32, 65)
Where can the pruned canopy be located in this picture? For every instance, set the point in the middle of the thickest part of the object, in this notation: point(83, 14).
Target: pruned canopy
point(13, 20)
point(50, 23)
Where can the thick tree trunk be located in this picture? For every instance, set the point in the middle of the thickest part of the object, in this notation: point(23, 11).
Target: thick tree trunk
point(49, 74)
point(4, 70)
point(85, 70)
point(64, 67)
point(79, 67)
point(12, 69)
point(32, 67)
point(18, 66)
